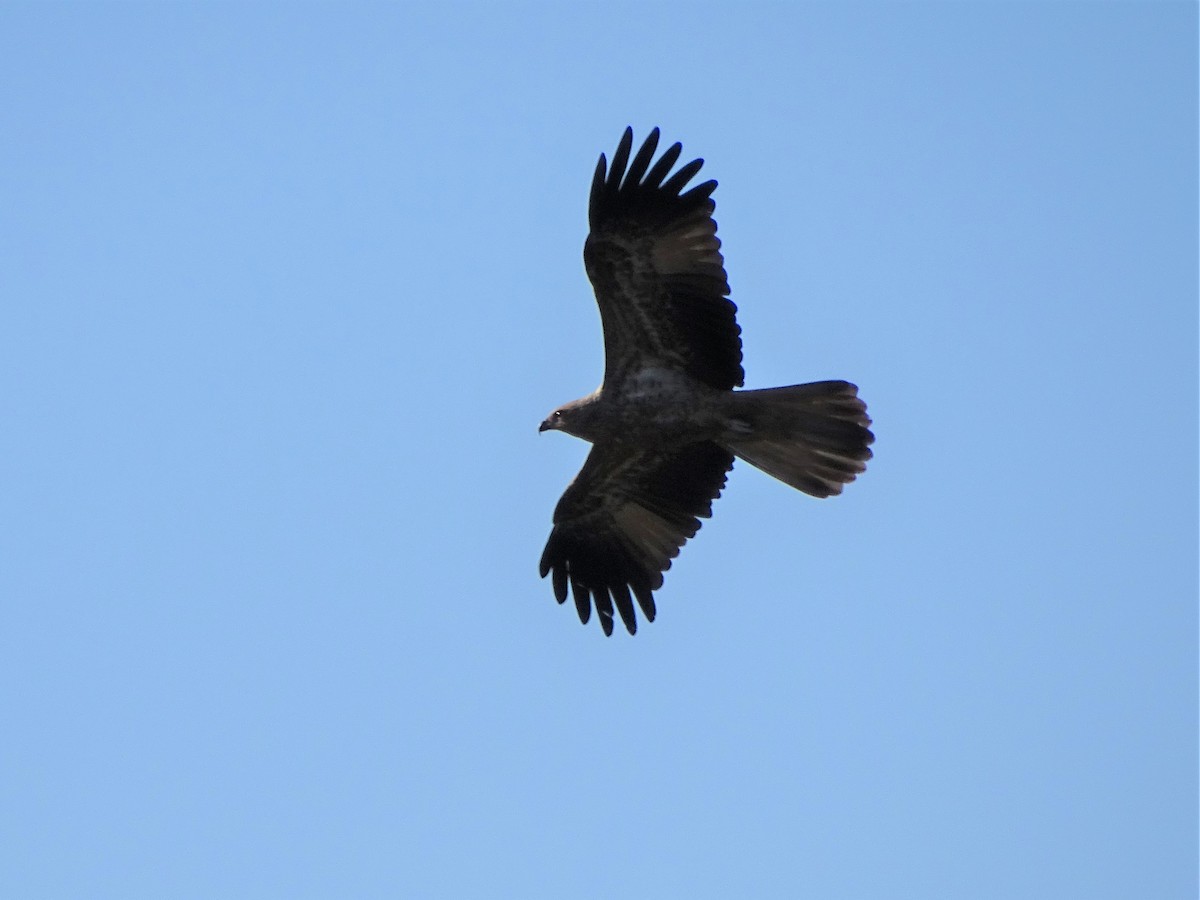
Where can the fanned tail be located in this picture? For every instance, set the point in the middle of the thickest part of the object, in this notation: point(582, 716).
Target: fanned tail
point(814, 437)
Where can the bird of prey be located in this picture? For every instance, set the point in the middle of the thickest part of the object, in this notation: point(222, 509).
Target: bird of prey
point(666, 423)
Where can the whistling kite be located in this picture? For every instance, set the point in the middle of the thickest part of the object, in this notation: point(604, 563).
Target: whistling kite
point(666, 423)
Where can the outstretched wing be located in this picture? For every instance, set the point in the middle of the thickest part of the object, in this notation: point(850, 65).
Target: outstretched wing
point(623, 519)
point(655, 263)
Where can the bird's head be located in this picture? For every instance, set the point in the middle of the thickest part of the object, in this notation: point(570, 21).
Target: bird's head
point(572, 419)
point(552, 422)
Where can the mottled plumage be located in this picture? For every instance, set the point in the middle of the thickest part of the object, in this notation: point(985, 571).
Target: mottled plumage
point(666, 423)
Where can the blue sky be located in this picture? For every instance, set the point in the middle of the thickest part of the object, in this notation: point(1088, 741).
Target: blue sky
point(288, 288)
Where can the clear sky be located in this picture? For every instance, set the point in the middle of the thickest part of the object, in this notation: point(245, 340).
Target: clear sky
point(285, 291)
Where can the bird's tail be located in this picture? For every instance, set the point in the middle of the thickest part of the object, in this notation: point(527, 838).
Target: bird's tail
point(814, 437)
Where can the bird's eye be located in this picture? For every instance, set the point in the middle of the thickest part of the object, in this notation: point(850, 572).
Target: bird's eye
point(558, 414)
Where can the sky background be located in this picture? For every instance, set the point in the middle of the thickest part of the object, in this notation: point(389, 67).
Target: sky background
point(285, 291)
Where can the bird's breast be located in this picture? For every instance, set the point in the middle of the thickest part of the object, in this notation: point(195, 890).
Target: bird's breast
point(660, 406)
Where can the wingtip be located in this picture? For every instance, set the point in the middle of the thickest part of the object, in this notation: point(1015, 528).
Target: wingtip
point(621, 158)
point(686, 173)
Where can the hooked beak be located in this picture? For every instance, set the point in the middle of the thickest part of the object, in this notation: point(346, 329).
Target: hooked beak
point(545, 426)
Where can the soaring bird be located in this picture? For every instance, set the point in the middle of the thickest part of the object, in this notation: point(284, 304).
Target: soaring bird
point(666, 423)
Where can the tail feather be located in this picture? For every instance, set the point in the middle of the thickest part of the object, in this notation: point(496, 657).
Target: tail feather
point(814, 437)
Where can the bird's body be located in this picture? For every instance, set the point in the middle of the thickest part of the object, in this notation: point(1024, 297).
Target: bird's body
point(653, 407)
point(667, 423)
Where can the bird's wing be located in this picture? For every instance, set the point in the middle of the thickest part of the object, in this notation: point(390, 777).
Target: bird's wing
point(655, 263)
point(623, 519)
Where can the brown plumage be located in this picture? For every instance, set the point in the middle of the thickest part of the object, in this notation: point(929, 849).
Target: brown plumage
point(666, 423)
